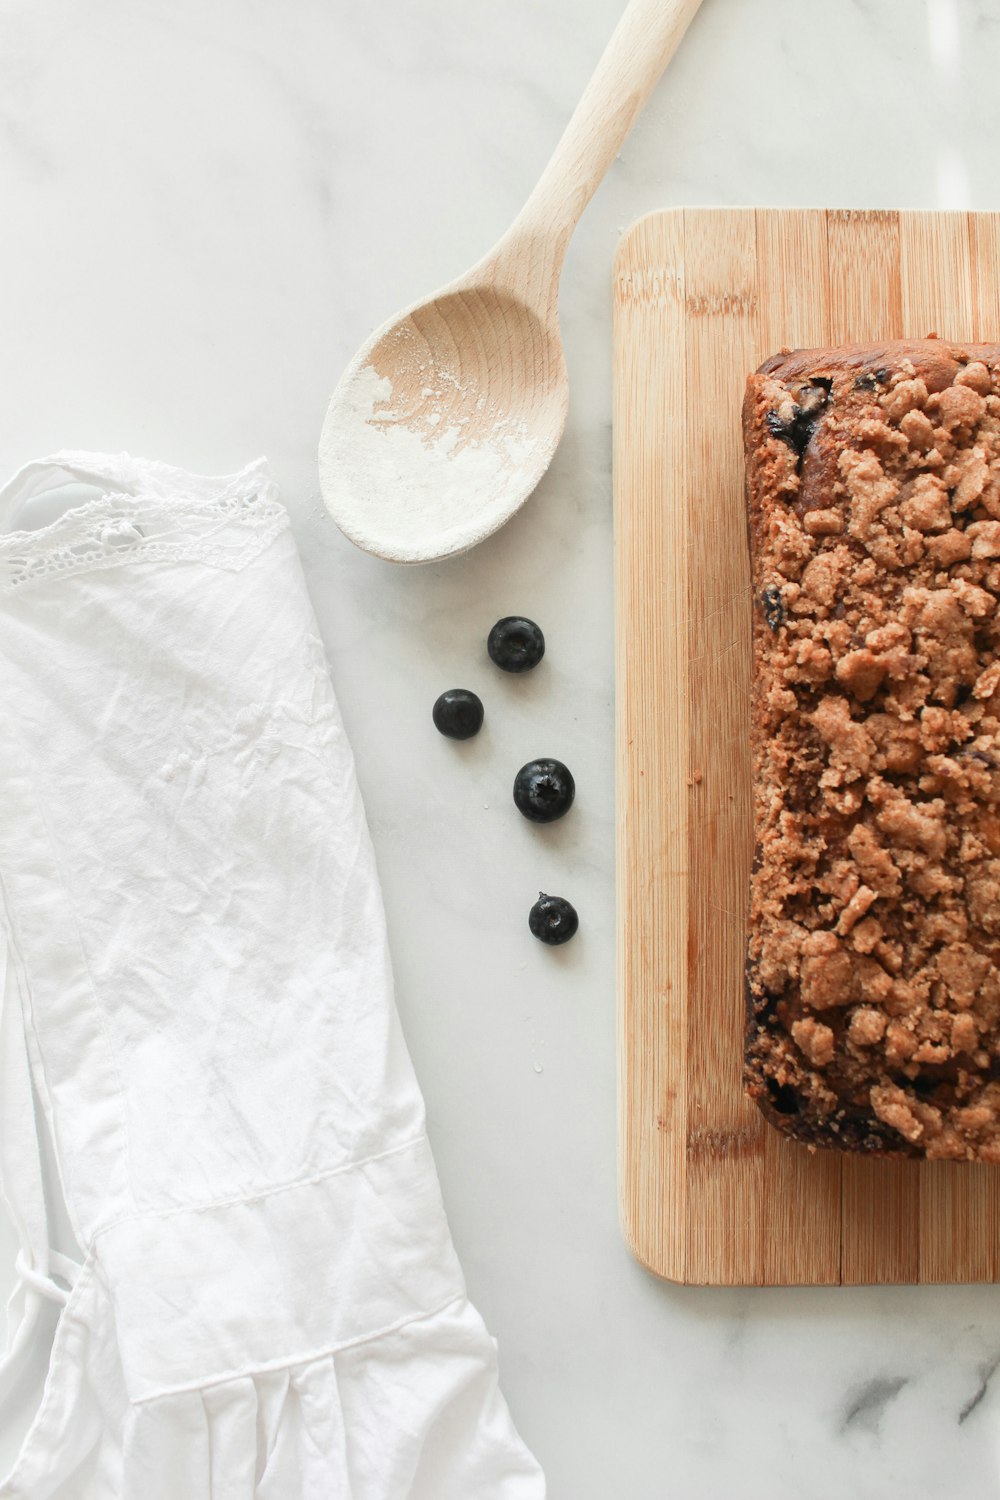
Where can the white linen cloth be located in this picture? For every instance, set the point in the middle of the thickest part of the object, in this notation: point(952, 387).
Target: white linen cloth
point(197, 984)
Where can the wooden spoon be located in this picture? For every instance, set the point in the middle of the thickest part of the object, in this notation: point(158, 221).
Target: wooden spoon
point(447, 418)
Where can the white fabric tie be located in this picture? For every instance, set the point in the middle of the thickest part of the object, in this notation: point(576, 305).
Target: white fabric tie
point(22, 1189)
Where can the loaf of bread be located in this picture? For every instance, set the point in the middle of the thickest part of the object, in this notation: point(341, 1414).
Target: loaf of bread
point(873, 973)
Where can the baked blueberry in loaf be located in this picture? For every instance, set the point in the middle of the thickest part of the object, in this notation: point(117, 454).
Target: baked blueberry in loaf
point(873, 973)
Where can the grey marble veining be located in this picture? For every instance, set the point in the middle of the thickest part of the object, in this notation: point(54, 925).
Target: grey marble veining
point(206, 208)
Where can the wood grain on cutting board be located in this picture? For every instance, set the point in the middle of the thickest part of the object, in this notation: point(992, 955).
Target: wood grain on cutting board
point(710, 1193)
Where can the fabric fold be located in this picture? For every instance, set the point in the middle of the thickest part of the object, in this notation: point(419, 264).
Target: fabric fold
point(209, 1294)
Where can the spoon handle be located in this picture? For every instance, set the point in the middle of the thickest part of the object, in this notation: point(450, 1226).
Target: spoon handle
point(643, 42)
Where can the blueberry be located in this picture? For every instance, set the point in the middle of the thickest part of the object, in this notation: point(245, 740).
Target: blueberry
point(552, 919)
point(774, 607)
point(797, 429)
point(515, 644)
point(544, 790)
point(458, 714)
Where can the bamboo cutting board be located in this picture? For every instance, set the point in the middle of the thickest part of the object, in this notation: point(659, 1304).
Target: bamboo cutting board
point(710, 1193)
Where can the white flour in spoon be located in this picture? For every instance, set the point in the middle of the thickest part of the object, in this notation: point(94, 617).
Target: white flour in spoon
point(392, 485)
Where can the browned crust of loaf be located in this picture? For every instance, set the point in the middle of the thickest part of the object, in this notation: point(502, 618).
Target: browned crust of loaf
point(949, 1108)
point(936, 360)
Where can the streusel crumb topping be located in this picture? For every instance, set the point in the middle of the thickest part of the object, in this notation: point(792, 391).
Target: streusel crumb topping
point(874, 955)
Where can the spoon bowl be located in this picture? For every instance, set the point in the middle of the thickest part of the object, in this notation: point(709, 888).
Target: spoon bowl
point(447, 418)
point(453, 410)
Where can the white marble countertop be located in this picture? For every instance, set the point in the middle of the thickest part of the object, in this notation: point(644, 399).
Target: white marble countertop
point(206, 207)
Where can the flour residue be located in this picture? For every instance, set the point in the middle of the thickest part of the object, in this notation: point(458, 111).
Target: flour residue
point(417, 476)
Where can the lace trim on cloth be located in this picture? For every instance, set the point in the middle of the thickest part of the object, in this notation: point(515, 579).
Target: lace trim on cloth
point(171, 516)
